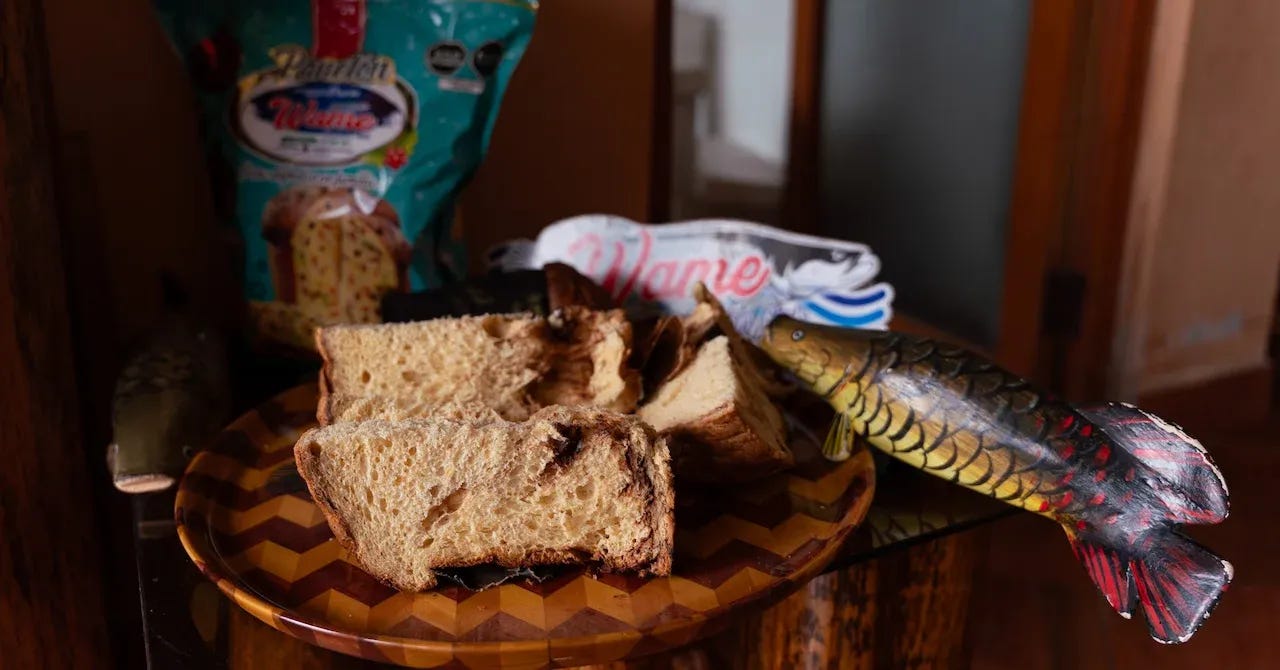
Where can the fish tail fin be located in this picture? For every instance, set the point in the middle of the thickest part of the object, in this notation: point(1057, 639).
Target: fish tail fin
point(1175, 581)
point(1109, 569)
point(1191, 486)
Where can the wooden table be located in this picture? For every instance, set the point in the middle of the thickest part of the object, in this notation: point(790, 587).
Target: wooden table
point(895, 598)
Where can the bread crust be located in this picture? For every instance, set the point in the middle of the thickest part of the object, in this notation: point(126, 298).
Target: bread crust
point(325, 383)
point(590, 354)
point(722, 447)
point(566, 287)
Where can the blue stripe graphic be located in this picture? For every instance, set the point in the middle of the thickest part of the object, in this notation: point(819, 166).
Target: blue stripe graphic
point(857, 301)
point(847, 321)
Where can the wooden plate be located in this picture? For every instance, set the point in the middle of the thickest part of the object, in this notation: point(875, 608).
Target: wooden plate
point(262, 541)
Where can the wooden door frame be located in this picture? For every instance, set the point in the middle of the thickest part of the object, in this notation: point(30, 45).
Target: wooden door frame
point(1090, 241)
point(51, 582)
point(1079, 115)
point(1042, 172)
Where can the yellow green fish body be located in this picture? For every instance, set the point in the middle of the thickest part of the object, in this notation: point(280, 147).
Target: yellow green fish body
point(1116, 478)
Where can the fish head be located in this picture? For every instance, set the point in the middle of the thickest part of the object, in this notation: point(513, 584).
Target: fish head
point(817, 355)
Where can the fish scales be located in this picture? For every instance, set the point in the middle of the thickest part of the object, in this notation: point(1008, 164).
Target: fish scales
point(952, 414)
point(1117, 479)
point(937, 432)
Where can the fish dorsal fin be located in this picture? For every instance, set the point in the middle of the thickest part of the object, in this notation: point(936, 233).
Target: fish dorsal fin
point(1165, 448)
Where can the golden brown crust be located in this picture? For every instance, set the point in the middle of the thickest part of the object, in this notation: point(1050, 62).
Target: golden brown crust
point(662, 352)
point(723, 447)
point(566, 287)
point(323, 414)
point(669, 344)
point(661, 509)
point(325, 411)
point(710, 319)
point(589, 361)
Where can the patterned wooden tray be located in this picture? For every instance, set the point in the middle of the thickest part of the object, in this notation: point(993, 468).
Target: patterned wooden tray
point(262, 541)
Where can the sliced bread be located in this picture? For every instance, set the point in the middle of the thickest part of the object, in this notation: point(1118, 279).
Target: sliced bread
point(491, 360)
point(721, 424)
point(336, 408)
point(570, 485)
point(511, 363)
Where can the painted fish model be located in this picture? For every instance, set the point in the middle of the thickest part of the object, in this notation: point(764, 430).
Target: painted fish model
point(1118, 480)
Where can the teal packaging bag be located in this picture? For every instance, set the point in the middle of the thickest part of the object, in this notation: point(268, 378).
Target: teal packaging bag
point(340, 133)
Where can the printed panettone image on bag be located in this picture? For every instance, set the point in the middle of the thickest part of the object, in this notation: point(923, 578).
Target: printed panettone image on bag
point(333, 254)
point(346, 130)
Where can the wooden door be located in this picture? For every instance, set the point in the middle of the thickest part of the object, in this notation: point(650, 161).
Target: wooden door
point(1060, 199)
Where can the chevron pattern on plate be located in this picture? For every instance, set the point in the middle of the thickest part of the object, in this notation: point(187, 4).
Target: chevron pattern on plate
point(246, 520)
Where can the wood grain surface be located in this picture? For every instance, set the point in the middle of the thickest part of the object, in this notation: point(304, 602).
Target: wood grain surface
point(906, 610)
point(51, 609)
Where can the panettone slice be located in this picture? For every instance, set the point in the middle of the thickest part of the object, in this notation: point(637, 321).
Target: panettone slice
point(335, 252)
point(373, 260)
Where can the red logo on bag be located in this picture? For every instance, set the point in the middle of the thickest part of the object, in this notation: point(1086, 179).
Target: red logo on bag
point(667, 277)
point(291, 115)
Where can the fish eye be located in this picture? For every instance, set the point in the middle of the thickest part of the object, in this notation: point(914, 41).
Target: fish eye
point(797, 335)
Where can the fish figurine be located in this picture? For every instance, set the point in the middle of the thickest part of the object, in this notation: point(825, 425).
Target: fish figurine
point(172, 395)
point(1119, 480)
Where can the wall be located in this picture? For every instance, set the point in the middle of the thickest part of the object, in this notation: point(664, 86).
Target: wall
point(753, 78)
point(576, 132)
point(132, 181)
point(1203, 245)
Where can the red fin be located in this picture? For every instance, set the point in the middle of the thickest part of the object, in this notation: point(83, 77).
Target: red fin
point(1175, 581)
point(1179, 582)
point(1197, 493)
point(1109, 571)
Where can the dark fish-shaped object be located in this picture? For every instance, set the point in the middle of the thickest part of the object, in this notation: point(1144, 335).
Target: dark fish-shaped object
point(1119, 480)
point(172, 395)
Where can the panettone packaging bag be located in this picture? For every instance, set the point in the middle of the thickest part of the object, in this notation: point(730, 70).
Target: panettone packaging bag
point(339, 133)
